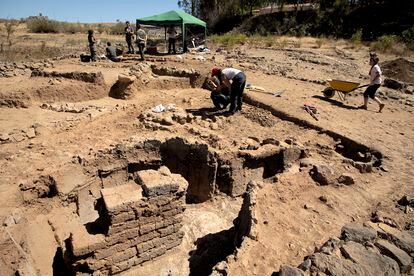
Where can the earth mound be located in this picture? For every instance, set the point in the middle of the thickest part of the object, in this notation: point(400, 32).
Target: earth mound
point(400, 69)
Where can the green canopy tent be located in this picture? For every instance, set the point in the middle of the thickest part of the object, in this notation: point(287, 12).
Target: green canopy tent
point(178, 18)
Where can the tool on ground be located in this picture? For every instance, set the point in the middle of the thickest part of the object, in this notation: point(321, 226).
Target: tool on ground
point(342, 87)
point(262, 90)
point(312, 110)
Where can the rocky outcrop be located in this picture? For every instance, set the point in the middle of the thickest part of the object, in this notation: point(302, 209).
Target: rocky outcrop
point(369, 249)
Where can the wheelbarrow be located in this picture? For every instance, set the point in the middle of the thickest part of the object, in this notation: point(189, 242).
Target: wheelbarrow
point(342, 87)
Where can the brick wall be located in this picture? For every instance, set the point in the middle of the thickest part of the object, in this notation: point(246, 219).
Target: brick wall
point(143, 221)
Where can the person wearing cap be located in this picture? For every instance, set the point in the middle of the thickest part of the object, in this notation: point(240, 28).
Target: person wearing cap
point(141, 41)
point(234, 80)
point(129, 37)
point(375, 77)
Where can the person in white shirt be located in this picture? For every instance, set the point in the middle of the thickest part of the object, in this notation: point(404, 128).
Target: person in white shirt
point(234, 80)
point(172, 38)
point(376, 80)
point(141, 41)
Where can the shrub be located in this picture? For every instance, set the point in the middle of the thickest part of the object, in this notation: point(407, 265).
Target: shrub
point(384, 43)
point(71, 28)
point(229, 40)
point(408, 38)
point(117, 29)
point(41, 24)
point(356, 38)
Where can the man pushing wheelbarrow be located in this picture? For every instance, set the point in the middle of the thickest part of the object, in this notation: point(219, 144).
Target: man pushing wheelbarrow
point(344, 87)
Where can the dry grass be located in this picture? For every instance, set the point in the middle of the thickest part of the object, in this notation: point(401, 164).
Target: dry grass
point(31, 46)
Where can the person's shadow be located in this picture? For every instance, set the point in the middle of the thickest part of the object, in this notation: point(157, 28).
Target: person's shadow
point(208, 112)
point(335, 102)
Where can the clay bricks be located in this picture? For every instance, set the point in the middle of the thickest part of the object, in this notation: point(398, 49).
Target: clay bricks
point(119, 199)
point(155, 183)
point(144, 223)
point(83, 243)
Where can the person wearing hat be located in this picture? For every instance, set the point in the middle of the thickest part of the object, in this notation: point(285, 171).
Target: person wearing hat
point(375, 77)
point(233, 80)
point(129, 37)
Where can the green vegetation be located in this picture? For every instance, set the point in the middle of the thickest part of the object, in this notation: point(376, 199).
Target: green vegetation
point(356, 38)
point(42, 24)
point(385, 43)
point(117, 29)
point(229, 40)
point(408, 38)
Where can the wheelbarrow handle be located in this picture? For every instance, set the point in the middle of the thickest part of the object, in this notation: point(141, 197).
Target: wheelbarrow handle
point(365, 85)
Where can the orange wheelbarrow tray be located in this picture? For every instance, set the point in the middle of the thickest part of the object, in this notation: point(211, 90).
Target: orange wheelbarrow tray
point(343, 87)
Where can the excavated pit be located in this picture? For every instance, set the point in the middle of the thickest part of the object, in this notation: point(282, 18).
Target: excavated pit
point(132, 207)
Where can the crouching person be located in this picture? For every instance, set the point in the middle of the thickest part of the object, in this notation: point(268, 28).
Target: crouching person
point(233, 80)
point(111, 53)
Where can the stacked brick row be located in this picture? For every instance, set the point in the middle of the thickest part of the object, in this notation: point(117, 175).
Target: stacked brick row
point(143, 222)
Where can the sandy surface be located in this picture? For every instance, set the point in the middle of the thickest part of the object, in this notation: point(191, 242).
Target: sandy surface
point(287, 230)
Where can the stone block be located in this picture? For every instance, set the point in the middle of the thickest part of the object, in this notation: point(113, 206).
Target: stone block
point(105, 253)
point(290, 271)
point(143, 238)
point(372, 262)
point(322, 174)
point(400, 256)
point(144, 229)
point(145, 246)
point(148, 220)
point(114, 178)
point(123, 255)
point(155, 183)
point(160, 200)
point(166, 231)
point(172, 244)
point(83, 243)
point(346, 179)
point(86, 201)
point(69, 178)
point(358, 233)
point(331, 265)
point(122, 217)
point(96, 264)
point(123, 226)
point(155, 252)
point(132, 233)
point(118, 198)
point(402, 239)
point(290, 155)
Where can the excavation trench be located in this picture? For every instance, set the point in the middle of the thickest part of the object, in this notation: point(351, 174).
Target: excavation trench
point(133, 212)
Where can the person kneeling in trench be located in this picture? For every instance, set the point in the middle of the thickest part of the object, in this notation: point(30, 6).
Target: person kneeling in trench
point(232, 80)
point(111, 53)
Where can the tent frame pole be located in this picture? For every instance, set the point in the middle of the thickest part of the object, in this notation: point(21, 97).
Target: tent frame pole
point(165, 29)
point(184, 33)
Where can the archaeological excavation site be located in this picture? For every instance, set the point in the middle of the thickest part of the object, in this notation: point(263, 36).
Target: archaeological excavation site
point(128, 168)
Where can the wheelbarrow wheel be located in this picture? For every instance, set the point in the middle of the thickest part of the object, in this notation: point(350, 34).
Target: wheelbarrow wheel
point(329, 92)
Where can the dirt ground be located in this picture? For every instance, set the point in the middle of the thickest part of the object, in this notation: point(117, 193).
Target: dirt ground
point(47, 123)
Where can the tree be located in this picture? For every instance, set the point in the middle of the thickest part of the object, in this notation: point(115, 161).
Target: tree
point(190, 6)
point(10, 28)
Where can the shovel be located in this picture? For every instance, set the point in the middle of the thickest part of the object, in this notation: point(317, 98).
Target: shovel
point(263, 91)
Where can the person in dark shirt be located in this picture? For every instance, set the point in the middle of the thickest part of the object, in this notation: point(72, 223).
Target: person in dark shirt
point(92, 47)
point(129, 37)
point(111, 53)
